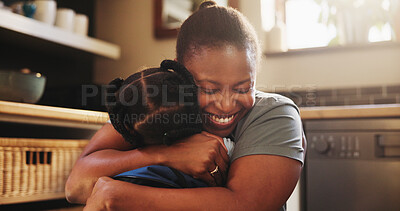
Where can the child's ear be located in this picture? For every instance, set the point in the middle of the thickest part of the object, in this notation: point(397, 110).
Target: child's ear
point(176, 60)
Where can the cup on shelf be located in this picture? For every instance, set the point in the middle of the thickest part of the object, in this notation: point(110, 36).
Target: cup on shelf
point(45, 11)
point(81, 23)
point(65, 19)
point(29, 9)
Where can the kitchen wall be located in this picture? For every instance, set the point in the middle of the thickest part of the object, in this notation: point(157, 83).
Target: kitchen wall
point(128, 24)
point(360, 67)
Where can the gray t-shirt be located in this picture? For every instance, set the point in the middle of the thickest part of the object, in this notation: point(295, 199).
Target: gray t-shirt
point(230, 146)
point(272, 127)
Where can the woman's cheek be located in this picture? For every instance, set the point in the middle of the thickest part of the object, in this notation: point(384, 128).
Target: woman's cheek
point(205, 100)
point(247, 101)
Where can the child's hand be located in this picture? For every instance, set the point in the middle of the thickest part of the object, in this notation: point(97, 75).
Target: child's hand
point(198, 155)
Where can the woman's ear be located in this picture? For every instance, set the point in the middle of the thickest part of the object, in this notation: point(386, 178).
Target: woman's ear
point(176, 59)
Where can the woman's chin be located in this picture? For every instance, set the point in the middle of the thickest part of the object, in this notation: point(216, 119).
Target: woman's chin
point(220, 133)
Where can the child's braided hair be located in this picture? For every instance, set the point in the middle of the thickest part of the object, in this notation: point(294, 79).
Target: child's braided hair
point(155, 106)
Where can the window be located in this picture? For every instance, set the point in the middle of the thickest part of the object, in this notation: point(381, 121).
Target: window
point(318, 23)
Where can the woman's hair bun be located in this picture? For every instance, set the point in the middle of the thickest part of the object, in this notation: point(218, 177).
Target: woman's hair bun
point(207, 4)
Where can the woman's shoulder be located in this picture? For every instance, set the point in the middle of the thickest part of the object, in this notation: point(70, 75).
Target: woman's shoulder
point(268, 106)
point(268, 101)
point(272, 126)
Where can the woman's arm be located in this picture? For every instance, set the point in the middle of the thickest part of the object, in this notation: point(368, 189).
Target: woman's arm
point(107, 154)
point(256, 182)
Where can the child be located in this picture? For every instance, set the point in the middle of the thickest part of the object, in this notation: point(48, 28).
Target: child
point(157, 106)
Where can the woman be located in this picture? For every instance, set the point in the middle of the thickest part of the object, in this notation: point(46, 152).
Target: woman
point(219, 47)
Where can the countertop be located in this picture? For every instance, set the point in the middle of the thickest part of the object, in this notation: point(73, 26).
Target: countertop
point(356, 111)
point(49, 115)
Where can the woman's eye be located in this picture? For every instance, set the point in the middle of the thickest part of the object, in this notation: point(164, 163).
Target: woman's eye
point(209, 91)
point(242, 91)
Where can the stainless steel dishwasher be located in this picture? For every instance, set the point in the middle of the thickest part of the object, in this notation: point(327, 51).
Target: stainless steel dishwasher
point(353, 164)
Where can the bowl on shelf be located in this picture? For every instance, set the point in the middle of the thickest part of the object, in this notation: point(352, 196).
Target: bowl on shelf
point(21, 86)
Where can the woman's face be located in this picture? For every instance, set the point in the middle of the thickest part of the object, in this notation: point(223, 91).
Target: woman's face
point(225, 77)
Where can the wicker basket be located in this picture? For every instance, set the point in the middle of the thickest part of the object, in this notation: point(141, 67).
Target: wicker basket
point(36, 169)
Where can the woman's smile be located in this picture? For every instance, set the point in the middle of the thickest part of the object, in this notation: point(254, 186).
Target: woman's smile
point(221, 121)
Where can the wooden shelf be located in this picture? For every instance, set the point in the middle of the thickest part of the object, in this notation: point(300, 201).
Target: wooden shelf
point(36, 29)
point(25, 199)
point(52, 116)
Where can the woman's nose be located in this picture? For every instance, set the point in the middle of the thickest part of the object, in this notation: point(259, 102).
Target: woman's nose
point(227, 103)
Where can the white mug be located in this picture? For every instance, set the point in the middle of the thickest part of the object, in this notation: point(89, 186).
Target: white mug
point(81, 24)
point(65, 19)
point(45, 11)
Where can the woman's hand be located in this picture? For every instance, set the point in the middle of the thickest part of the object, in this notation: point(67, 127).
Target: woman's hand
point(198, 155)
point(103, 195)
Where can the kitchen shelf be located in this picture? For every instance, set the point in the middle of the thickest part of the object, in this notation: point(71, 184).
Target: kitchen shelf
point(25, 199)
point(36, 29)
point(52, 116)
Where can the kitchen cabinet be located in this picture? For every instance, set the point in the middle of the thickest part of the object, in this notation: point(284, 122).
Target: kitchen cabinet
point(38, 147)
point(39, 144)
point(64, 58)
point(33, 30)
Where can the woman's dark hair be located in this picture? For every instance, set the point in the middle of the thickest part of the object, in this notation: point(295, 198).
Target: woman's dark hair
point(155, 106)
point(214, 26)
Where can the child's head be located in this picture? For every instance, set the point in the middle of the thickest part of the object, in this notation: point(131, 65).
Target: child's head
point(155, 106)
